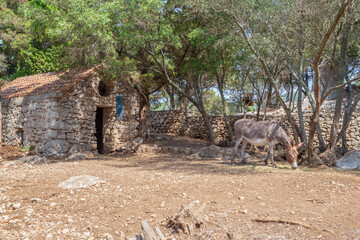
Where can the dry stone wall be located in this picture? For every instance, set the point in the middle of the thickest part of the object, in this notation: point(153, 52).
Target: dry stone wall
point(188, 124)
point(78, 108)
point(28, 120)
point(71, 115)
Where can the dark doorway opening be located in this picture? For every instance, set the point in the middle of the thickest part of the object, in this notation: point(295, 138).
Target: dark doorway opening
point(99, 129)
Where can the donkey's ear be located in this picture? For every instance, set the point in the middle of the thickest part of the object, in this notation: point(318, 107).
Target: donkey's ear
point(300, 145)
point(293, 142)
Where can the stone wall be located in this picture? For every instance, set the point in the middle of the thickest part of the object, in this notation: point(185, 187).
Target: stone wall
point(70, 116)
point(82, 103)
point(188, 124)
point(28, 120)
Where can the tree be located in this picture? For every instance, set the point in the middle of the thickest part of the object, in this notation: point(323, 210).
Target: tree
point(13, 36)
point(318, 100)
point(92, 33)
point(285, 32)
point(25, 53)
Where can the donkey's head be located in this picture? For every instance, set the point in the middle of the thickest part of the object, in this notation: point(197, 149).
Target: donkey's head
point(292, 153)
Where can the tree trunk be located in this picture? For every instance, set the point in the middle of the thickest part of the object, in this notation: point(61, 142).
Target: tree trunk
point(314, 120)
point(322, 144)
point(181, 91)
point(207, 124)
point(221, 90)
point(171, 95)
point(269, 97)
point(350, 108)
point(258, 103)
point(342, 71)
point(300, 112)
point(183, 102)
point(337, 114)
point(144, 115)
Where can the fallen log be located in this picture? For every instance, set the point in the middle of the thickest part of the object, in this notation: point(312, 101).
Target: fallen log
point(148, 233)
point(279, 220)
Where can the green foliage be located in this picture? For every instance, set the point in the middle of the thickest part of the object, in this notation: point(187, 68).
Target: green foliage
point(212, 103)
point(27, 148)
point(13, 36)
point(3, 63)
point(196, 44)
point(250, 108)
point(40, 61)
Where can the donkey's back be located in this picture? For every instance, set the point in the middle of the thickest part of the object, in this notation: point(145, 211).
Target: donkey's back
point(259, 133)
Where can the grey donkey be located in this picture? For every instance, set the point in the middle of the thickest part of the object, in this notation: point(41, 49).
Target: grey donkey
point(261, 133)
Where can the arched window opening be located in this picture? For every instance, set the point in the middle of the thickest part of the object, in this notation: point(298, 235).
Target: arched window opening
point(103, 89)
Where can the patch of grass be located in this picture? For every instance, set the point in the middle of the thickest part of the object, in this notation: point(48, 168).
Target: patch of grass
point(27, 148)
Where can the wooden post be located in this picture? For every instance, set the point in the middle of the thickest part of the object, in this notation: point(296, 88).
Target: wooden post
point(151, 234)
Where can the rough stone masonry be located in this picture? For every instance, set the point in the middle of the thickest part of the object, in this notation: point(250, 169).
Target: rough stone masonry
point(61, 108)
point(188, 124)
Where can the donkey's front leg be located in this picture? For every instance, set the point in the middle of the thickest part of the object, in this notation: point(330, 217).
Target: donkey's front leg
point(271, 149)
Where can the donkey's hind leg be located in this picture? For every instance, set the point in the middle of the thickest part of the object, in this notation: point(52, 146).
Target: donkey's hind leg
point(267, 157)
point(237, 143)
point(242, 151)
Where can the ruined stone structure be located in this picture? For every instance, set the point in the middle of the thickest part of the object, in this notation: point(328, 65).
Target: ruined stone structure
point(188, 124)
point(77, 107)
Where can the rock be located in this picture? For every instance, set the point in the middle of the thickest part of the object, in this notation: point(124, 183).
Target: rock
point(351, 160)
point(227, 154)
point(145, 149)
point(53, 148)
point(329, 157)
point(209, 152)
point(16, 206)
point(35, 200)
point(49, 236)
point(1, 159)
point(75, 149)
point(136, 143)
point(132, 146)
point(187, 151)
point(77, 156)
point(33, 159)
point(159, 137)
point(51, 134)
point(107, 236)
point(195, 156)
point(83, 181)
point(176, 150)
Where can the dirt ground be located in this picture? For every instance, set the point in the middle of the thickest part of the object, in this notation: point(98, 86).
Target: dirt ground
point(301, 204)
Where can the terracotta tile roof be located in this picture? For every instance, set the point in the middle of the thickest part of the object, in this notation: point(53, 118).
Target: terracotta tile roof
point(43, 83)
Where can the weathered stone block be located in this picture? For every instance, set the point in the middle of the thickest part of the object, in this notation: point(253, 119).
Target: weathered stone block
point(50, 134)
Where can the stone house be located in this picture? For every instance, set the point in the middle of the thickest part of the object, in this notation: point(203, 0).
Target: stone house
point(75, 107)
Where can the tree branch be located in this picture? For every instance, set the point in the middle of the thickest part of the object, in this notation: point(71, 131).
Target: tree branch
point(322, 46)
point(337, 87)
